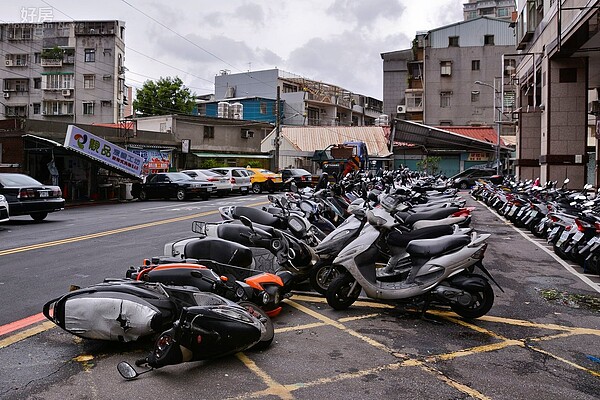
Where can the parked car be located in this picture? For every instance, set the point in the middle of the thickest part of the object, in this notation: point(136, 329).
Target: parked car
point(222, 185)
point(263, 179)
point(239, 179)
point(467, 178)
point(301, 177)
point(166, 185)
point(3, 209)
point(27, 196)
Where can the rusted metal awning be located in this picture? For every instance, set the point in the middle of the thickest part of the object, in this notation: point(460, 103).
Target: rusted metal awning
point(435, 138)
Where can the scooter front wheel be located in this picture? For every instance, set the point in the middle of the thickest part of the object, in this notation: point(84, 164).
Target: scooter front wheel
point(322, 276)
point(483, 299)
point(257, 312)
point(343, 292)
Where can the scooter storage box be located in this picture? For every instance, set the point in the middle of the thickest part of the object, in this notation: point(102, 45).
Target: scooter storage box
point(116, 311)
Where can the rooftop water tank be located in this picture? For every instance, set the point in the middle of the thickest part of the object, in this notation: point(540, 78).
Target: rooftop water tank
point(223, 109)
point(237, 111)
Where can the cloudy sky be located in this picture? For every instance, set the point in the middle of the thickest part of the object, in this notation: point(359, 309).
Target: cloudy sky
point(334, 41)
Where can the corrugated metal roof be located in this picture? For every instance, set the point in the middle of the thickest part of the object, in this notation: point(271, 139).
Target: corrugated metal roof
point(311, 138)
point(483, 133)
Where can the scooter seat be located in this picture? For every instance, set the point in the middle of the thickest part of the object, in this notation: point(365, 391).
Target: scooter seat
point(427, 248)
point(399, 239)
point(428, 215)
point(443, 221)
point(258, 216)
point(219, 250)
point(239, 233)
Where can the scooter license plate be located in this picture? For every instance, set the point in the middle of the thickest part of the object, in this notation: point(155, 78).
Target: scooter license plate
point(512, 211)
point(533, 214)
point(553, 232)
point(565, 235)
point(577, 237)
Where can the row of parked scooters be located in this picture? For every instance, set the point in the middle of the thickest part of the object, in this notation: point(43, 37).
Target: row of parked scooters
point(568, 219)
point(214, 293)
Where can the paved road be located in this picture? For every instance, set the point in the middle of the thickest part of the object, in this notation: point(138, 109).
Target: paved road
point(538, 341)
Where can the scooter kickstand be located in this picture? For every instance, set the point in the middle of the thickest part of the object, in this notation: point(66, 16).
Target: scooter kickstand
point(423, 314)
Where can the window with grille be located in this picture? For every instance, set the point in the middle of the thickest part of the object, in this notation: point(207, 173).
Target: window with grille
point(446, 68)
point(474, 96)
point(89, 55)
point(88, 108)
point(445, 99)
point(209, 132)
point(488, 40)
point(89, 81)
point(475, 65)
point(453, 41)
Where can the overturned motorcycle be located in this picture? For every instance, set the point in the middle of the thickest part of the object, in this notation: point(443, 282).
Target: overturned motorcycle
point(212, 329)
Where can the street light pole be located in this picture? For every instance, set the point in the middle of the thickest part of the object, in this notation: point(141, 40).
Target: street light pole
point(496, 122)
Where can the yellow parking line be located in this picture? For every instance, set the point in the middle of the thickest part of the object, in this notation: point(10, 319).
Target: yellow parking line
point(273, 388)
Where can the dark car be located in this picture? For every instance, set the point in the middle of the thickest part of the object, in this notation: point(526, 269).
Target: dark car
point(301, 177)
point(166, 185)
point(467, 178)
point(27, 196)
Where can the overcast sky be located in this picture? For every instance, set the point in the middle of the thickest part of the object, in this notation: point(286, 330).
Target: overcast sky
point(334, 41)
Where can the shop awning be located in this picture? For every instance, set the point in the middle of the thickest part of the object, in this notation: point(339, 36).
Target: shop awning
point(49, 142)
point(434, 138)
point(229, 155)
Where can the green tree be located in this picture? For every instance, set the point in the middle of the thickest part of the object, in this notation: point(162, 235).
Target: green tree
point(165, 96)
point(429, 164)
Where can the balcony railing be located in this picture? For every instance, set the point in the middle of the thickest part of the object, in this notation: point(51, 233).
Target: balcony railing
point(51, 62)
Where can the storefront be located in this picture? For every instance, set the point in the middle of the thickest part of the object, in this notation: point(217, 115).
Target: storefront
point(86, 167)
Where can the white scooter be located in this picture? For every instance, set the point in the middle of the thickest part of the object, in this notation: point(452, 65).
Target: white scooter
point(440, 271)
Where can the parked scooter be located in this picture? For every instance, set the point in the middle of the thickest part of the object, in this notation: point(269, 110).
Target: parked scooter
point(440, 271)
point(214, 328)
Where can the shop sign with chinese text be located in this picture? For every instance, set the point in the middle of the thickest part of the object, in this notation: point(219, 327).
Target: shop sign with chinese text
point(102, 150)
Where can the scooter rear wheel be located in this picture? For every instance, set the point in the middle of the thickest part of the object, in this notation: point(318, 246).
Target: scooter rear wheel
point(483, 299)
point(265, 320)
point(340, 293)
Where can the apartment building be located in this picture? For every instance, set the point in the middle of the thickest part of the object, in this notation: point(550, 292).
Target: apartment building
point(501, 9)
point(452, 75)
point(64, 71)
point(558, 74)
point(252, 95)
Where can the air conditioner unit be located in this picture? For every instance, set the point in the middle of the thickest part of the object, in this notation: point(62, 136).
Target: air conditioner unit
point(66, 92)
point(401, 109)
point(8, 63)
point(6, 95)
point(593, 107)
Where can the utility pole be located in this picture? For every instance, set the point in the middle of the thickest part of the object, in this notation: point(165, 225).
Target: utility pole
point(277, 131)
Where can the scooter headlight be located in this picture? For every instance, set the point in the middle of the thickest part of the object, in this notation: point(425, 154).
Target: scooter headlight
point(266, 298)
point(240, 293)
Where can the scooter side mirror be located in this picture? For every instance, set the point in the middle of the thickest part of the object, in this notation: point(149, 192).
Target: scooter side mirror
point(127, 371)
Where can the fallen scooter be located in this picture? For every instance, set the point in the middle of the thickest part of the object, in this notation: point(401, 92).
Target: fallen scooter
point(215, 327)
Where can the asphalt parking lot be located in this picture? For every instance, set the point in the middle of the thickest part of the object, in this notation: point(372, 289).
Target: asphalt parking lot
point(528, 346)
